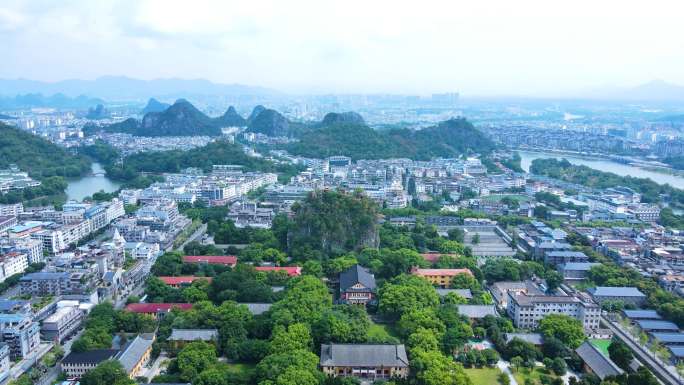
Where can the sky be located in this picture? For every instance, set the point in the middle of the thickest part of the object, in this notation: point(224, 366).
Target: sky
point(482, 47)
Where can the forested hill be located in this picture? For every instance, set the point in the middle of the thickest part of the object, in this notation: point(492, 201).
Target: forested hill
point(180, 119)
point(37, 156)
point(451, 138)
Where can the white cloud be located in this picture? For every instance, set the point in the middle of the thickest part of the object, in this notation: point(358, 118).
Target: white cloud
point(492, 46)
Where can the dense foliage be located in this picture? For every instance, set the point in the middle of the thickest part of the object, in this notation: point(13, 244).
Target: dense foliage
point(447, 139)
point(329, 223)
point(562, 169)
point(37, 156)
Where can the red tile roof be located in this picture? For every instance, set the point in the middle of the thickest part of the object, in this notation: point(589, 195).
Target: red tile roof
point(446, 272)
point(182, 280)
point(434, 257)
point(228, 260)
point(156, 307)
point(292, 271)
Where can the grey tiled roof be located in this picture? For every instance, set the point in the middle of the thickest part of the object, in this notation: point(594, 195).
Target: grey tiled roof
point(363, 355)
point(193, 335)
point(609, 291)
point(134, 352)
point(533, 338)
point(657, 325)
point(642, 314)
point(465, 293)
point(89, 357)
point(257, 308)
point(477, 311)
point(669, 338)
point(601, 365)
point(356, 274)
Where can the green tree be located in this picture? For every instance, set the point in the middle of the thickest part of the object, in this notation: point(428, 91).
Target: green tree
point(620, 354)
point(296, 336)
point(565, 328)
point(194, 358)
point(109, 372)
point(406, 292)
point(306, 299)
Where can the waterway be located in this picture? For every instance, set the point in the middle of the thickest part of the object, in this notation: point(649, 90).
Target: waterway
point(79, 188)
point(604, 165)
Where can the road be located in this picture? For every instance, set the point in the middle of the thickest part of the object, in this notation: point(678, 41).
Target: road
point(645, 356)
point(197, 234)
point(51, 375)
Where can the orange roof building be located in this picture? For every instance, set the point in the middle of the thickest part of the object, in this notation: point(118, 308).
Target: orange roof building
point(440, 277)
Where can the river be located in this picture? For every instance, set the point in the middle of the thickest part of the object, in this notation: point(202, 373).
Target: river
point(604, 165)
point(79, 188)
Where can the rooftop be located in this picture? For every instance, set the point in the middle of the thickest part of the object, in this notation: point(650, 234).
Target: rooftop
point(193, 335)
point(157, 307)
point(642, 314)
point(364, 355)
point(669, 338)
point(657, 325)
point(356, 274)
point(533, 338)
point(601, 365)
point(292, 271)
point(45, 276)
point(465, 293)
point(622, 291)
point(477, 311)
point(257, 308)
point(90, 356)
point(230, 260)
point(185, 280)
point(134, 352)
point(440, 272)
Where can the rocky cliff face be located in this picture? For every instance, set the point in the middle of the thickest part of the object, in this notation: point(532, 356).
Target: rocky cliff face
point(270, 122)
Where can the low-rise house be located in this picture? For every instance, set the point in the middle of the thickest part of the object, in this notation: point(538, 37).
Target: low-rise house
point(156, 310)
point(656, 326)
point(534, 338)
point(226, 260)
point(628, 295)
point(669, 339)
point(136, 354)
point(62, 323)
point(440, 277)
point(477, 311)
point(641, 314)
point(575, 271)
point(180, 337)
point(178, 282)
point(76, 364)
point(596, 362)
point(465, 293)
point(371, 361)
point(292, 271)
point(357, 286)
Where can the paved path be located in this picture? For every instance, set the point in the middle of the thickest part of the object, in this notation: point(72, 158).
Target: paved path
point(504, 366)
point(658, 368)
point(197, 234)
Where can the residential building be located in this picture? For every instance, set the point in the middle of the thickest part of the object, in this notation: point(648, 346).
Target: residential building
point(292, 271)
point(357, 286)
point(557, 257)
point(371, 361)
point(12, 263)
point(440, 277)
point(76, 364)
point(45, 283)
point(596, 362)
point(157, 310)
point(575, 271)
point(180, 337)
point(630, 295)
point(226, 260)
point(177, 282)
point(477, 311)
point(62, 323)
point(501, 290)
point(4, 361)
point(20, 333)
point(527, 310)
point(136, 354)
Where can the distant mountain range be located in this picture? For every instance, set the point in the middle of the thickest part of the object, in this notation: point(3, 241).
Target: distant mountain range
point(124, 88)
point(154, 105)
point(38, 100)
point(656, 90)
point(337, 134)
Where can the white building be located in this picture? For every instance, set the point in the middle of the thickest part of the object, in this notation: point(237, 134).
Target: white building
point(527, 310)
point(12, 263)
point(62, 323)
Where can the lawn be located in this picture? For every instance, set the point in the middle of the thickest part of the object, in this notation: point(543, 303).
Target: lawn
point(602, 345)
point(381, 332)
point(484, 376)
point(522, 374)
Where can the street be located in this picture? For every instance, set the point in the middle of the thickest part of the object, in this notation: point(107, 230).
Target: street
point(658, 368)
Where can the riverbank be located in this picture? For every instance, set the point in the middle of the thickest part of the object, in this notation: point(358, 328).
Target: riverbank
point(606, 165)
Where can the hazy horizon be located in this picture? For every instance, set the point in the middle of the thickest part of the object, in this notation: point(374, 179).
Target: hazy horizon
point(489, 48)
